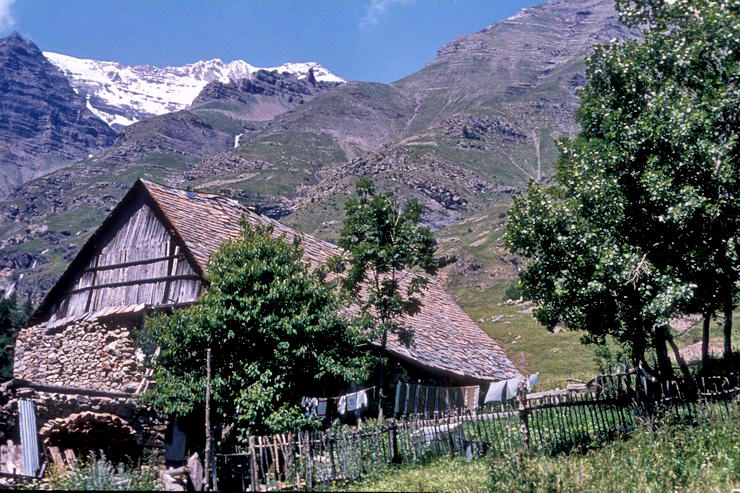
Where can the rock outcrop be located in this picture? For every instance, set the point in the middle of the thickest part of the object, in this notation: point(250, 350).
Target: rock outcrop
point(44, 124)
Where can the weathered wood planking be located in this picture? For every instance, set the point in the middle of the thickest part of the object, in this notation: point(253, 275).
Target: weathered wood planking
point(138, 248)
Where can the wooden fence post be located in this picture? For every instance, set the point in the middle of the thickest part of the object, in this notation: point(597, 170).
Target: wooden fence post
point(393, 439)
point(521, 396)
point(331, 456)
point(208, 452)
point(310, 471)
point(253, 480)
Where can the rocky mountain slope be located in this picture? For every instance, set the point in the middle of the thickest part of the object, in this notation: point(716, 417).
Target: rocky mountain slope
point(465, 132)
point(43, 122)
point(461, 135)
point(124, 94)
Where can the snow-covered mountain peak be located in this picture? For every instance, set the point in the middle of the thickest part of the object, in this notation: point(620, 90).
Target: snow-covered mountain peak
point(123, 94)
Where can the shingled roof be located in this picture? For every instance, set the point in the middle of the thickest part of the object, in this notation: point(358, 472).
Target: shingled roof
point(444, 337)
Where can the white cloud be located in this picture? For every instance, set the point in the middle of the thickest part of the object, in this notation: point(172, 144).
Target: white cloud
point(6, 16)
point(376, 9)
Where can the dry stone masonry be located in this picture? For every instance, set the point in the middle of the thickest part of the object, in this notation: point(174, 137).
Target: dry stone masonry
point(93, 355)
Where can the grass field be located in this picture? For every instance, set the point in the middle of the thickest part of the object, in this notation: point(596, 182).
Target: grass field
point(673, 457)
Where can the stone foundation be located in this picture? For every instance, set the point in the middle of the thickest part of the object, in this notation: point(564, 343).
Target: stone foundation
point(149, 426)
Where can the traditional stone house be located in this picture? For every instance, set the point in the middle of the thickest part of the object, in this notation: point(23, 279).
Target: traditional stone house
point(78, 364)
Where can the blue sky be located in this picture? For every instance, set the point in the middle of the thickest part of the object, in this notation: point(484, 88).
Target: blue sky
point(374, 40)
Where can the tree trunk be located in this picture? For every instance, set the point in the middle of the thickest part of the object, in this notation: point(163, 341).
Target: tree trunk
point(665, 368)
point(728, 330)
point(681, 362)
point(705, 341)
point(381, 379)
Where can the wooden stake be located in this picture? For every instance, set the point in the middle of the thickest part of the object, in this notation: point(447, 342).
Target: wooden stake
point(208, 454)
point(523, 414)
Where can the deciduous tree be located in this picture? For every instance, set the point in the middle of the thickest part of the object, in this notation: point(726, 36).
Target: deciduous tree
point(643, 220)
point(383, 243)
point(276, 330)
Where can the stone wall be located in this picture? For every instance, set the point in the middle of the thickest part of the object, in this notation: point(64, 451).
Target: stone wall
point(150, 427)
point(98, 355)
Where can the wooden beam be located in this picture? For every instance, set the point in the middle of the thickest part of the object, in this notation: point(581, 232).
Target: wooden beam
point(132, 263)
point(148, 280)
point(57, 389)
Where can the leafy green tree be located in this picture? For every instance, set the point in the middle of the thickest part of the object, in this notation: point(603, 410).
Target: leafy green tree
point(666, 110)
point(12, 317)
point(383, 242)
point(642, 222)
point(580, 273)
point(276, 331)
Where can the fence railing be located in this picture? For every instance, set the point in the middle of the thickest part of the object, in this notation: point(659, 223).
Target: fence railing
point(552, 421)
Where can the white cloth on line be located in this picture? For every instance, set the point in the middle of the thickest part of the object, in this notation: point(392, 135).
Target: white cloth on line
point(512, 386)
point(352, 402)
point(342, 405)
point(495, 392)
point(533, 380)
point(362, 401)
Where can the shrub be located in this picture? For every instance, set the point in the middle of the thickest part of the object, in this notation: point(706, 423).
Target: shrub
point(100, 474)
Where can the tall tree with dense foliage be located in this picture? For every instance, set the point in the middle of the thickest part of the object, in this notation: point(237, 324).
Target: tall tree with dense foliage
point(383, 243)
point(277, 332)
point(13, 314)
point(643, 219)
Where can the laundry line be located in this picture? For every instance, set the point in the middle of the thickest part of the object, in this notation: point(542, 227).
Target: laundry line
point(418, 399)
point(323, 407)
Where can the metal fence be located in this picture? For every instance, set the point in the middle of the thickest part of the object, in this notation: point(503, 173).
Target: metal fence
point(550, 421)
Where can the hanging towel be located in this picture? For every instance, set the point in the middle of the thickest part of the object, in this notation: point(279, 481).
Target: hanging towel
point(533, 380)
point(362, 401)
point(495, 392)
point(512, 385)
point(396, 407)
point(352, 402)
point(342, 405)
point(471, 398)
point(321, 408)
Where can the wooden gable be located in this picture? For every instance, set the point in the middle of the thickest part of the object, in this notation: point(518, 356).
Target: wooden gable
point(133, 259)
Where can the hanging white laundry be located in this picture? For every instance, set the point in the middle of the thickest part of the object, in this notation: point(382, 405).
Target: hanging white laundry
point(362, 401)
point(352, 402)
point(495, 392)
point(533, 380)
point(512, 386)
point(342, 405)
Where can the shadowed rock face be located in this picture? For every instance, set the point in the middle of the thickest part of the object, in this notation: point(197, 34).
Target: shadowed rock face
point(262, 96)
point(43, 123)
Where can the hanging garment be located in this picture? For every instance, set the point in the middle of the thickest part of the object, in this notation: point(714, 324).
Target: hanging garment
point(362, 401)
point(351, 402)
point(342, 405)
point(512, 387)
point(471, 398)
point(496, 392)
point(533, 380)
point(321, 408)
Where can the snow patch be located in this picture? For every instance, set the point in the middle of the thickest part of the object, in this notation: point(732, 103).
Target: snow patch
point(124, 94)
